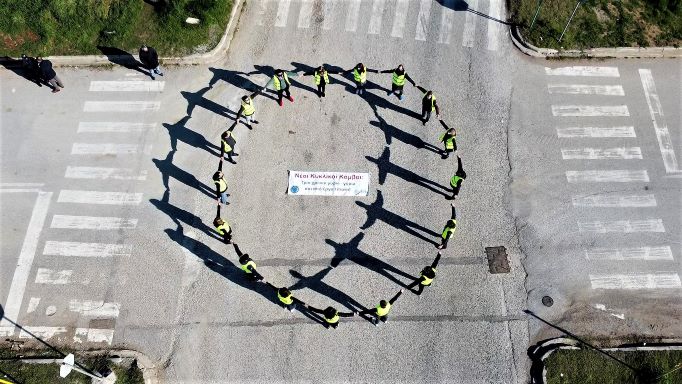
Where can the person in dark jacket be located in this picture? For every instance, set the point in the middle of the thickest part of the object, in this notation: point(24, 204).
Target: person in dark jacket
point(150, 60)
point(398, 80)
point(32, 68)
point(49, 75)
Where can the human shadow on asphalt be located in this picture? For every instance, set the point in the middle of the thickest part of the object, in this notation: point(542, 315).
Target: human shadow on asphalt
point(350, 251)
point(179, 215)
point(197, 99)
point(120, 57)
point(316, 284)
point(461, 6)
point(385, 166)
point(237, 79)
point(391, 131)
point(179, 131)
point(16, 67)
point(270, 72)
point(376, 211)
point(304, 68)
point(375, 101)
point(168, 170)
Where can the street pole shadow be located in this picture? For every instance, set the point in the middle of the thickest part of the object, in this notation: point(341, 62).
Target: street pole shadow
point(463, 6)
point(376, 211)
point(168, 170)
point(197, 99)
point(391, 131)
point(179, 131)
point(120, 57)
point(385, 166)
point(350, 251)
point(316, 284)
point(237, 79)
point(179, 215)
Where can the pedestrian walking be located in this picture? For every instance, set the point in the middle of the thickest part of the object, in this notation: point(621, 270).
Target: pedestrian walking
point(331, 315)
point(321, 77)
point(426, 277)
point(380, 312)
point(360, 76)
point(286, 297)
point(247, 265)
point(448, 138)
point(220, 185)
point(428, 105)
point(449, 229)
point(49, 75)
point(280, 83)
point(398, 80)
point(32, 68)
point(456, 180)
point(248, 110)
point(150, 60)
point(222, 227)
point(228, 143)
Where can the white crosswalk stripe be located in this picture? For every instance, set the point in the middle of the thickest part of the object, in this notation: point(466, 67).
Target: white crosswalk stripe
point(583, 71)
point(401, 9)
point(121, 106)
point(95, 308)
point(625, 153)
point(494, 24)
point(92, 222)
point(663, 280)
point(607, 176)
point(305, 13)
point(590, 110)
point(469, 33)
point(352, 15)
point(45, 333)
point(376, 17)
point(127, 86)
point(93, 335)
point(103, 173)
point(446, 20)
point(636, 253)
point(49, 276)
point(595, 132)
point(328, 7)
point(622, 226)
point(105, 149)
point(282, 13)
point(97, 197)
point(423, 20)
point(614, 201)
point(77, 249)
point(113, 127)
point(586, 89)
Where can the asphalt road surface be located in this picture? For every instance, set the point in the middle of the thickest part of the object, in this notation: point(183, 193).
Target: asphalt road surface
point(107, 202)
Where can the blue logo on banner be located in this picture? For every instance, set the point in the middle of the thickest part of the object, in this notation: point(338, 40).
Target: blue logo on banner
point(294, 189)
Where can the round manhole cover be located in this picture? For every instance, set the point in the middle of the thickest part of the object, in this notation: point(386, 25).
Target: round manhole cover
point(547, 301)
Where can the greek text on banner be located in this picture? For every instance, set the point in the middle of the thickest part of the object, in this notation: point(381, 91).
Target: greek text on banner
point(328, 183)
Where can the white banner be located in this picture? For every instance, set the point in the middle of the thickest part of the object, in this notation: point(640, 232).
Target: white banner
point(328, 183)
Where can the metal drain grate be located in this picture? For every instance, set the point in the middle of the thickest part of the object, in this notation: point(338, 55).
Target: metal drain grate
point(497, 259)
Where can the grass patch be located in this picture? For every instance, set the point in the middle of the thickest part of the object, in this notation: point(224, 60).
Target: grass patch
point(600, 23)
point(587, 366)
point(76, 27)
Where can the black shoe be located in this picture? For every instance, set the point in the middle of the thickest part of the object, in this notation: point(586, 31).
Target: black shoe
point(323, 95)
point(255, 121)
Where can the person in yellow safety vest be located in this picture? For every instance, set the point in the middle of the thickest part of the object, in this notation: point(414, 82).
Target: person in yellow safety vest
point(449, 140)
point(428, 105)
point(449, 229)
point(280, 83)
point(248, 110)
point(456, 180)
point(321, 77)
point(286, 297)
point(426, 277)
point(247, 265)
point(398, 80)
point(331, 315)
point(360, 76)
point(380, 312)
point(220, 185)
point(227, 144)
point(222, 227)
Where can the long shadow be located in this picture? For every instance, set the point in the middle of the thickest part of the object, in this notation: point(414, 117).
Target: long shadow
point(463, 6)
point(16, 67)
point(299, 81)
point(236, 78)
point(385, 166)
point(120, 57)
point(350, 86)
point(391, 131)
point(197, 99)
point(168, 170)
point(179, 215)
point(316, 284)
point(179, 131)
point(295, 82)
point(350, 251)
point(376, 211)
point(379, 102)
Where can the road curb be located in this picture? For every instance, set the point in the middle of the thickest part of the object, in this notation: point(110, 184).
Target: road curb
point(214, 55)
point(620, 52)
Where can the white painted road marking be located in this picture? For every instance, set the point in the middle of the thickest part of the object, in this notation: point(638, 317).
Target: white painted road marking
point(401, 8)
point(127, 86)
point(95, 308)
point(446, 18)
point(622, 226)
point(17, 288)
point(262, 9)
point(121, 106)
point(607, 176)
point(583, 71)
point(494, 25)
point(21, 185)
point(33, 303)
point(591, 132)
point(376, 17)
point(77, 249)
point(49, 276)
point(93, 335)
point(92, 222)
point(621, 254)
point(282, 13)
point(104, 149)
point(113, 126)
point(328, 11)
point(353, 13)
point(584, 89)
point(102, 173)
point(97, 197)
point(662, 280)
point(423, 20)
point(617, 201)
point(22, 190)
point(469, 33)
point(590, 110)
point(660, 126)
point(626, 153)
point(304, 13)
point(42, 332)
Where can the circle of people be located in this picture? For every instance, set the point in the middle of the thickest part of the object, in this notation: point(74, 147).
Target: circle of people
point(281, 84)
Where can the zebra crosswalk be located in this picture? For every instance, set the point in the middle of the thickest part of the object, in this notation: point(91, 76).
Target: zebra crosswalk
point(420, 20)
